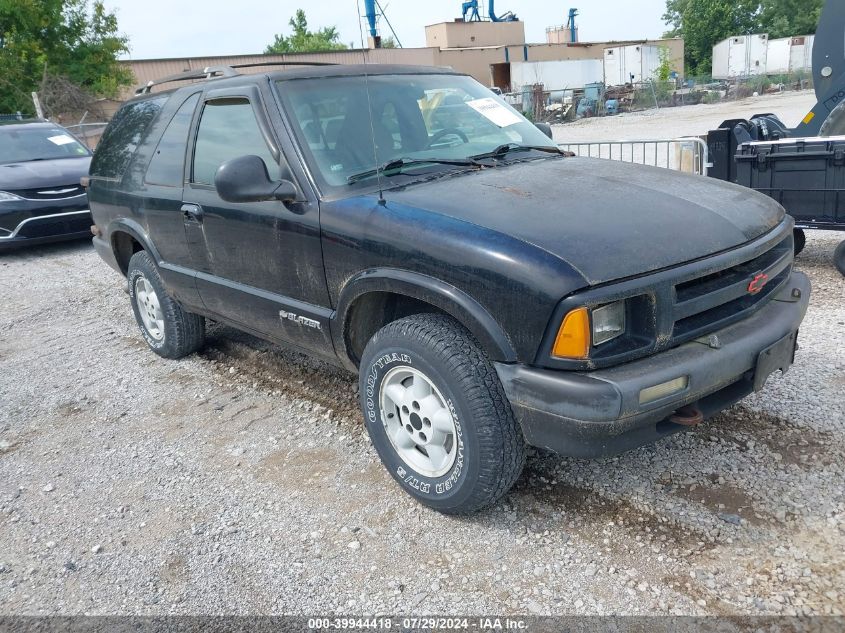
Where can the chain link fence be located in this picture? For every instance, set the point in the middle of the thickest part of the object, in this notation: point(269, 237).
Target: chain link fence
point(562, 105)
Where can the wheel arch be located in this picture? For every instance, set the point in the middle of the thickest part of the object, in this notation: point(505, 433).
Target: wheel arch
point(364, 308)
point(127, 238)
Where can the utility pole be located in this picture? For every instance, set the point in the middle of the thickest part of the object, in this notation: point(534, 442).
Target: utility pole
point(38, 110)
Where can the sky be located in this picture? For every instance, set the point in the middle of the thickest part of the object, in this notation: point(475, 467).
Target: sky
point(195, 28)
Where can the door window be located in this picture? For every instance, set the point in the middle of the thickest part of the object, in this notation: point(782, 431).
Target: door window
point(228, 129)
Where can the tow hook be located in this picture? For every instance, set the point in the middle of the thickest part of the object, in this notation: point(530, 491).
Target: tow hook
point(689, 415)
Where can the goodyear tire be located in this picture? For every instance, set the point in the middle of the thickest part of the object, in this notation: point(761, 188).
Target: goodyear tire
point(839, 258)
point(438, 416)
point(166, 327)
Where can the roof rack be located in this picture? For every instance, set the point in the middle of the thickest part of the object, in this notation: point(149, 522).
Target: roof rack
point(213, 72)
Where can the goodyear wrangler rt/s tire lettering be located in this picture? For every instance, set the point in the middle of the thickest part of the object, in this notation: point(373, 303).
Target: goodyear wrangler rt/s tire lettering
point(437, 414)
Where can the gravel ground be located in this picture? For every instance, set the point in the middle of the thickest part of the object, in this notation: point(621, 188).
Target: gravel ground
point(240, 481)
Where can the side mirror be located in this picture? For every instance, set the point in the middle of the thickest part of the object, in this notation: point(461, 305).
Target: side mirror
point(545, 128)
point(245, 179)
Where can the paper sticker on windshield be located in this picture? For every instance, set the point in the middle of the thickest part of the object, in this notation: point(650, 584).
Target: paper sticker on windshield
point(61, 139)
point(495, 111)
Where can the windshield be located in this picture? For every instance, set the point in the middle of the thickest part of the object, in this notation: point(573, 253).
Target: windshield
point(21, 143)
point(415, 117)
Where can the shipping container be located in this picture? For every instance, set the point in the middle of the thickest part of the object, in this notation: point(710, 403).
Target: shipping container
point(557, 75)
point(779, 56)
point(790, 55)
point(740, 56)
point(801, 54)
point(630, 64)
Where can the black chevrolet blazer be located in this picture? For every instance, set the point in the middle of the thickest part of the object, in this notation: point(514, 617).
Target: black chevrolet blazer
point(491, 291)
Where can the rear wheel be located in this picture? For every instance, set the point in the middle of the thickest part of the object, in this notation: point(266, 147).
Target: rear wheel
point(839, 258)
point(170, 331)
point(800, 239)
point(438, 416)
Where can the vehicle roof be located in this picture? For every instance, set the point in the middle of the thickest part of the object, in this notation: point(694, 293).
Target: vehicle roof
point(360, 70)
point(28, 122)
point(310, 72)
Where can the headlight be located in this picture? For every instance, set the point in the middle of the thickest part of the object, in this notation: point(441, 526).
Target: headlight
point(582, 329)
point(5, 196)
point(608, 322)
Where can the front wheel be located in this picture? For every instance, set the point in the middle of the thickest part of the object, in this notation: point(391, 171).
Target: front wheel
point(438, 415)
point(839, 258)
point(166, 327)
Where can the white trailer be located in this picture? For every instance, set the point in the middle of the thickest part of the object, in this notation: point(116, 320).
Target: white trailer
point(630, 64)
point(747, 55)
point(557, 75)
point(779, 56)
point(801, 54)
point(790, 55)
point(740, 56)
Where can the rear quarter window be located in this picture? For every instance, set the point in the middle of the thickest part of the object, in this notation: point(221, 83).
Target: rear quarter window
point(127, 130)
point(168, 163)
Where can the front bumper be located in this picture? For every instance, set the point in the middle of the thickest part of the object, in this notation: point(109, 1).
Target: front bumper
point(29, 222)
point(596, 414)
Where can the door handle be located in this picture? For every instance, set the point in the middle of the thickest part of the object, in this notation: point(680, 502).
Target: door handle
point(192, 213)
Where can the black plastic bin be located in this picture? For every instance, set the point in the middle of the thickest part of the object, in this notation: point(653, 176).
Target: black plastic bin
point(807, 176)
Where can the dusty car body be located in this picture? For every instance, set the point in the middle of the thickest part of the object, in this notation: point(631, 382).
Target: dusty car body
point(490, 291)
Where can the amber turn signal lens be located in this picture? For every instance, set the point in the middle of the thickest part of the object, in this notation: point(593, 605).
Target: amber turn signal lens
point(573, 338)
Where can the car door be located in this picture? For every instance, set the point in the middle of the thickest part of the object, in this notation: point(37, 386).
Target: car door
point(260, 263)
point(162, 188)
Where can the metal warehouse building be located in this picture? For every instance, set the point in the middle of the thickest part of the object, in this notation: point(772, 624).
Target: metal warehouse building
point(484, 50)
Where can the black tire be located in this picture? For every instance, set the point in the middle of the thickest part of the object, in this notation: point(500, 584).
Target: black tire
point(490, 448)
point(834, 124)
point(183, 333)
point(800, 239)
point(839, 258)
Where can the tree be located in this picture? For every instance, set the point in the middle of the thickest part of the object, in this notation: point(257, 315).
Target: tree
point(704, 23)
point(786, 18)
point(304, 41)
point(388, 42)
point(77, 40)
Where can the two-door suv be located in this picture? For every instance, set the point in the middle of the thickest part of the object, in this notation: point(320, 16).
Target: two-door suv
point(491, 291)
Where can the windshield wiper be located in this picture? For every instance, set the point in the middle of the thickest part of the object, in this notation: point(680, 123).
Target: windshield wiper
point(397, 164)
point(509, 148)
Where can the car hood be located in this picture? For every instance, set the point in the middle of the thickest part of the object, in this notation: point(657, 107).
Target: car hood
point(606, 219)
point(43, 173)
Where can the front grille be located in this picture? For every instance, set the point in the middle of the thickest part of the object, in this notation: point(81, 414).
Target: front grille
point(56, 226)
point(58, 192)
point(715, 300)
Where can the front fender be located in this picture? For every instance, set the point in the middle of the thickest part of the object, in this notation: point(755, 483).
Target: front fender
point(451, 300)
